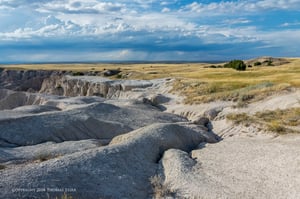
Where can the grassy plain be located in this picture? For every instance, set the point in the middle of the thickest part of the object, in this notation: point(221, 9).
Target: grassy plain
point(198, 82)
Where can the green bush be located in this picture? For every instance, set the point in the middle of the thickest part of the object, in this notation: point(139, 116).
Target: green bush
point(257, 63)
point(236, 64)
point(269, 63)
point(78, 74)
point(119, 76)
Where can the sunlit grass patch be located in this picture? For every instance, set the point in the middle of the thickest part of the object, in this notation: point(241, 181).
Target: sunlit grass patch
point(256, 83)
point(278, 121)
point(240, 118)
point(275, 126)
point(241, 92)
point(289, 117)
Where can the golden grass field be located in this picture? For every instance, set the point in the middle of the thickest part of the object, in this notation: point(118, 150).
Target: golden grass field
point(199, 83)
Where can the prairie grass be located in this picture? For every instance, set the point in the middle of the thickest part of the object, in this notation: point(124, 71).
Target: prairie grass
point(226, 84)
point(275, 126)
point(240, 118)
point(288, 117)
point(198, 82)
point(278, 121)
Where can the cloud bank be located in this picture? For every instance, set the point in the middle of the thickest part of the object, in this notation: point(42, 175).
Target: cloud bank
point(152, 30)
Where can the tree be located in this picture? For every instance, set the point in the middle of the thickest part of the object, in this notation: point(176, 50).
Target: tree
point(257, 63)
point(236, 64)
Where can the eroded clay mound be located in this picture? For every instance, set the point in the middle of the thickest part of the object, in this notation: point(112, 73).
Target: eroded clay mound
point(96, 120)
point(119, 170)
point(235, 168)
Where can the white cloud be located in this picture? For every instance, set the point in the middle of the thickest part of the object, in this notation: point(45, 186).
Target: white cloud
point(237, 21)
point(287, 24)
point(50, 27)
point(164, 3)
point(279, 4)
point(242, 7)
point(165, 10)
point(4, 7)
point(143, 23)
point(95, 18)
point(281, 37)
point(81, 7)
point(50, 19)
point(27, 33)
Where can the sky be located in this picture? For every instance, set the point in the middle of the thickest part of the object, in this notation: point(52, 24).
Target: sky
point(147, 30)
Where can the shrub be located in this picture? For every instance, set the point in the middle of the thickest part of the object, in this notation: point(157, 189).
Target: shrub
point(2, 167)
point(119, 76)
point(212, 66)
point(270, 63)
point(257, 63)
point(78, 74)
point(236, 64)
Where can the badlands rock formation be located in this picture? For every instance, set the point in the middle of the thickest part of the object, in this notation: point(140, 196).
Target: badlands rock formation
point(92, 137)
point(24, 80)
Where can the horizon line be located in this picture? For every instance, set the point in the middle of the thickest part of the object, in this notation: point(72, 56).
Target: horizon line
point(112, 62)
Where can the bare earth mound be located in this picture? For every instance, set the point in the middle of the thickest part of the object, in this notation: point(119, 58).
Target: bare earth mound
point(236, 168)
point(125, 165)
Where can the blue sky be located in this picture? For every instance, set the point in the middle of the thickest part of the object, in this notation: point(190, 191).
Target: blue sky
point(152, 30)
